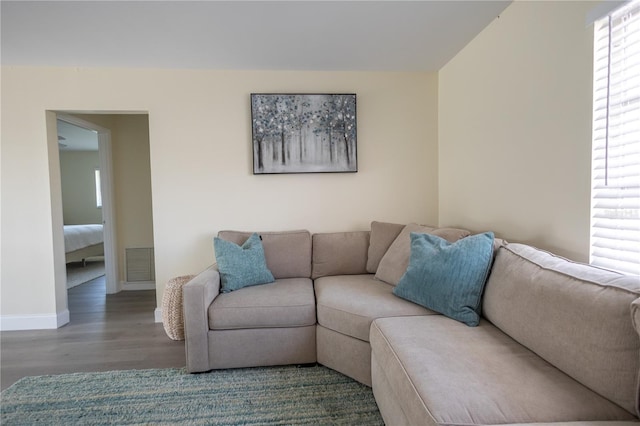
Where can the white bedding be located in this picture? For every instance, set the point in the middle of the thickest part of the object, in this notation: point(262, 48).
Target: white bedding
point(77, 237)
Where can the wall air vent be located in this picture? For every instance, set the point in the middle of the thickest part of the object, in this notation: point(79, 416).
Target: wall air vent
point(140, 264)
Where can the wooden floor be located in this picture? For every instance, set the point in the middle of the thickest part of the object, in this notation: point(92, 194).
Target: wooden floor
point(106, 332)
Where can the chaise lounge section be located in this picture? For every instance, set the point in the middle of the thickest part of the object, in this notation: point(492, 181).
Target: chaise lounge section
point(557, 345)
point(557, 342)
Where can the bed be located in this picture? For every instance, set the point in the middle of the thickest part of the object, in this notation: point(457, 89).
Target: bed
point(83, 241)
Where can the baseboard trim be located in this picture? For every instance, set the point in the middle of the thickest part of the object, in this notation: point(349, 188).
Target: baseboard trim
point(142, 285)
point(158, 315)
point(34, 322)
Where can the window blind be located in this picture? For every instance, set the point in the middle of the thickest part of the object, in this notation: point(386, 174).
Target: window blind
point(615, 208)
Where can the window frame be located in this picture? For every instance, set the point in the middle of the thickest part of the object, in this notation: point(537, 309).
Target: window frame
point(615, 179)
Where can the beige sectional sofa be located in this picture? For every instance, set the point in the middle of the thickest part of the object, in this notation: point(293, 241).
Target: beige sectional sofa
point(558, 341)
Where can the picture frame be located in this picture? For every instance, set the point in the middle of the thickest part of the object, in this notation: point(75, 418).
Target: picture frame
point(304, 133)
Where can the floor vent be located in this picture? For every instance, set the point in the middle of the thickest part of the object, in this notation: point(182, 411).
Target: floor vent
point(140, 264)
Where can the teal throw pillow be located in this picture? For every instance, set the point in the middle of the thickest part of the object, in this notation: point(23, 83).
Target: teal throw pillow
point(448, 277)
point(241, 266)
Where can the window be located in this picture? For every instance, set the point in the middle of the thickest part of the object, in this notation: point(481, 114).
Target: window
point(98, 190)
point(615, 190)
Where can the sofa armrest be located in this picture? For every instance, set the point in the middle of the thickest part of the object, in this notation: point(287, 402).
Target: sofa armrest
point(198, 294)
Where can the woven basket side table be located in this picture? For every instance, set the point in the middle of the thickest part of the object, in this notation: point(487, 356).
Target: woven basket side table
point(172, 317)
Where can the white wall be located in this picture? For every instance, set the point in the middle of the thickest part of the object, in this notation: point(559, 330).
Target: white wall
point(515, 128)
point(77, 171)
point(200, 150)
point(131, 180)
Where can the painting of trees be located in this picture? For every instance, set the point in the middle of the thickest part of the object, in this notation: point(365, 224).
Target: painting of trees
point(306, 133)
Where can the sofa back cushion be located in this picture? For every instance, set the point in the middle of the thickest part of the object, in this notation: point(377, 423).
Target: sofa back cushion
point(340, 253)
point(383, 234)
point(395, 261)
point(288, 253)
point(575, 316)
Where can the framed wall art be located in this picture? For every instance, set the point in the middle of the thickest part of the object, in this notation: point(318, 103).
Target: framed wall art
point(304, 133)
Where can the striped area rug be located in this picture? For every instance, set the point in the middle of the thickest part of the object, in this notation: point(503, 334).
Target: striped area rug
point(249, 396)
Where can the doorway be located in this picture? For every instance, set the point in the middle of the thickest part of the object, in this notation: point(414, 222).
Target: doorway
point(125, 183)
point(88, 209)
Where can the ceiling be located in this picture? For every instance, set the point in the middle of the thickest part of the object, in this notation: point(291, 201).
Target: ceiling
point(74, 138)
point(253, 35)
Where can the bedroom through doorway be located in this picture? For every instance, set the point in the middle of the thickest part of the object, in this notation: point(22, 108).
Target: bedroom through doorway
point(106, 188)
point(80, 176)
point(81, 202)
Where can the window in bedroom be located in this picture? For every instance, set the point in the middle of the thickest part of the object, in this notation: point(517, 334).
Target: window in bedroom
point(98, 190)
point(615, 190)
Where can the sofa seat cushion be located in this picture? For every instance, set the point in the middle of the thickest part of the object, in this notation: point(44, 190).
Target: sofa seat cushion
point(349, 303)
point(287, 302)
point(443, 371)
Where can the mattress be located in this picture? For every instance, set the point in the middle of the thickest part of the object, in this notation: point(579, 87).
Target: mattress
point(77, 237)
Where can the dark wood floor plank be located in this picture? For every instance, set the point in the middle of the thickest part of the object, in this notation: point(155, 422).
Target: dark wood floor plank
point(106, 332)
